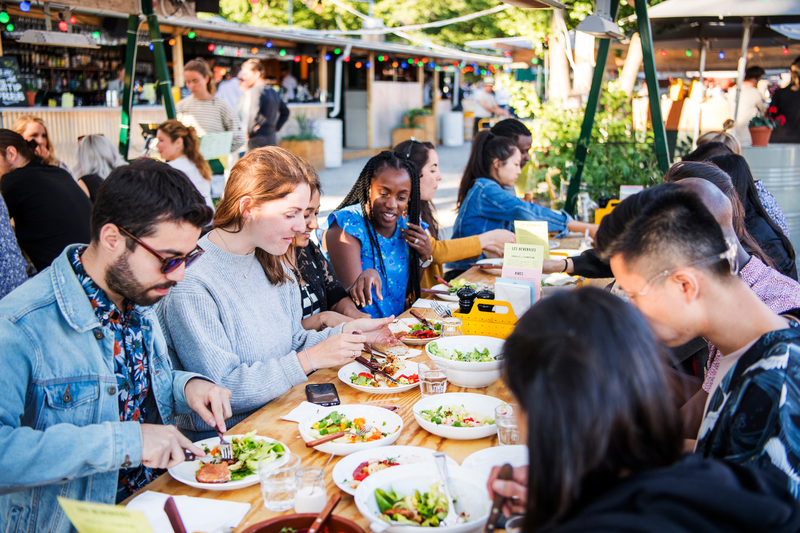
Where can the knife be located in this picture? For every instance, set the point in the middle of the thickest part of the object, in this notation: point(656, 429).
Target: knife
point(421, 319)
point(442, 281)
point(485, 265)
point(497, 504)
point(374, 368)
point(433, 291)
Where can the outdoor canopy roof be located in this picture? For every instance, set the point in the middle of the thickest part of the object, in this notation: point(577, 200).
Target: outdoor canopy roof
point(773, 10)
point(719, 34)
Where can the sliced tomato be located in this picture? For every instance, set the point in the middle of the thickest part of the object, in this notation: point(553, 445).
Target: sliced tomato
point(361, 472)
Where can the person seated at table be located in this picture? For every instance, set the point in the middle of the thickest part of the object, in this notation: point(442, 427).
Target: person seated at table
point(426, 160)
point(484, 205)
point(721, 137)
point(708, 150)
point(34, 129)
point(236, 318)
point(180, 148)
point(325, 302)
point(13, 269)
point(617, 464)
point(49, 209)
point(89, 394)
point(518, 132)
point(760, 224)
point(672, 260)
point(97, 157)
point(370, 242)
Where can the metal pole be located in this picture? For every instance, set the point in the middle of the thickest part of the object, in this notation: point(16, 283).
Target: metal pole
point(703, 50)
point(163, 85)
point(290, 11)
point(588, 117)
point(748, 21)
point(649, 58)
point(130, 67)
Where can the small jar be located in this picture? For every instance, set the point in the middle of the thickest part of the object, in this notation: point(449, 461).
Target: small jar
point(485, 294)
point(466, 297)
point(451, 327)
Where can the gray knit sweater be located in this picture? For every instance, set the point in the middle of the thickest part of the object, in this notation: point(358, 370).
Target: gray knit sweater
point(244, 333)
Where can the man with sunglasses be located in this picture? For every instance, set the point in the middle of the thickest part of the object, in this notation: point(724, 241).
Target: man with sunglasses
point(673, 261)
point(89, 393)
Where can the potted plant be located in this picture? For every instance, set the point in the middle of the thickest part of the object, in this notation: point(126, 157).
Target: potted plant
point(407, 129)
point(306, 143)
point(762, 124)
point(423, 118)
point(30, 93)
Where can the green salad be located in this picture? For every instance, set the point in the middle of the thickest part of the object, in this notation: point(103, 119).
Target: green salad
point(456, 416)
point(426, 510)
point(474, 356)
point(459, 284)
point(247, 451)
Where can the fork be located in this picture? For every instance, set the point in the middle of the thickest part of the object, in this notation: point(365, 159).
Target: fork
point(225, 448)
point(333, 436)
point(440, 310)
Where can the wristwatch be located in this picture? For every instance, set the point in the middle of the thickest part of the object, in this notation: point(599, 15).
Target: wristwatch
point(427, 263)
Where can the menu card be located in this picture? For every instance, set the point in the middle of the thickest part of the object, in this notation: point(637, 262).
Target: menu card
point(89, 517)
point(524, 262)
point(533, 232)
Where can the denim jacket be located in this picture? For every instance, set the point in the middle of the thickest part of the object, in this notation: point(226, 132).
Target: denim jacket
point(488, 206)
point(60, 432)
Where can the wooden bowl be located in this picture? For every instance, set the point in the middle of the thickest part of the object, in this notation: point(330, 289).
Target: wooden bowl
point(335, 524)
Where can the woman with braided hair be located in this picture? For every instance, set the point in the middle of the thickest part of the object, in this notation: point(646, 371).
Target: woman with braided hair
point(376, 238)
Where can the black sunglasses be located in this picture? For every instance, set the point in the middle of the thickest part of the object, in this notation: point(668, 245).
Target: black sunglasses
point(168, 264)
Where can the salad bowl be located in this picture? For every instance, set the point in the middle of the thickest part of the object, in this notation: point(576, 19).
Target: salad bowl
point(467, 406)
point(382, 420)
point(470, 496)
point(466, 373)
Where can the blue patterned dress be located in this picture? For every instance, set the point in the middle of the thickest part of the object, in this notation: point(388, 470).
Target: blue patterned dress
point(771, 207)
point(12, 264)
point(753, 417)
point(130, 366)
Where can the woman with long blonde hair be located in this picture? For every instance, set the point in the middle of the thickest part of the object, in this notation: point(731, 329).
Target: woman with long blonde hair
point(236, 316)
point(34, 129)
point(180, 148)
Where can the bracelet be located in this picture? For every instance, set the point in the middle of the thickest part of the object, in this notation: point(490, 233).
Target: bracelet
point(566, 265)
point(309, 361)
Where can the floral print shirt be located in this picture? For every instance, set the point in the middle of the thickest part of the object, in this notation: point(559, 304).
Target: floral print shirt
point(12, 264)
point(130, 366)
point(771, 206)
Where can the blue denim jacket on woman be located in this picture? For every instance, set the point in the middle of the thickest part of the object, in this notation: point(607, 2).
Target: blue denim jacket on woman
point(489, 206)
point(60, 432)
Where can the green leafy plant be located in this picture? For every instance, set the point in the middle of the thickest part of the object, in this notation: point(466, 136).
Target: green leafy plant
point(29, 87)
point(306, 127)
point(410, 117)
point(770, 119)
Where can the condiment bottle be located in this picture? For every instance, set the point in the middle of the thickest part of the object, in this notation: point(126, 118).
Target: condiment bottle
point(485, 294)
point(466, 297)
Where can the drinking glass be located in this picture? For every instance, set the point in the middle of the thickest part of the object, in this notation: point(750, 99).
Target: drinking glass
point(505, 418)
point(278, 481)
point(451, 327)
point(514, 524)
point(311, 495)
point(432, 378)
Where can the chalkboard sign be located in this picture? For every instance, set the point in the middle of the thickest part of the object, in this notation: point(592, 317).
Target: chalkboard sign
point(11, 90)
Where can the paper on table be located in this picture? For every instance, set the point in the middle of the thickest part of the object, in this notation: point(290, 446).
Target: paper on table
point(524, 261)
point(533, 232)
point(202, 515)
point(90, 517)
point(214, 145)
point(519, 293)
point(302, 411)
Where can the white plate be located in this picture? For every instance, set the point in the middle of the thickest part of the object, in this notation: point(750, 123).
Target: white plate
point(473, 403)
point(383, 419)
point(553, 244)
point(484, 460)
point(417, 342)
point(471, 497)
point(565, 283)
point(185, 472)
point(470, 375)
point(571, 252)
point(493, 261)
point(349, 369)
point(343, 471)
point(445, 297)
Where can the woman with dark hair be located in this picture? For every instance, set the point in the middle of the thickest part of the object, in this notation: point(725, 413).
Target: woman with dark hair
point(425, 158)
point(759, 224)
point(370, 239)
point(325, 302)
point(616, 463)
point(786, 102)
point(49, 209)
point(484, 204)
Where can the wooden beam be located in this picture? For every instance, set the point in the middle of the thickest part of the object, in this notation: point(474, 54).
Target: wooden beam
point(370, 77)
point(421, 80)
point(435, 102)
point(177, 60)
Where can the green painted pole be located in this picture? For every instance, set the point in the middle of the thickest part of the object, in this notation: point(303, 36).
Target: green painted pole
point(649, 59)
point(164, 86)
point(588, 118)
point(130, 67)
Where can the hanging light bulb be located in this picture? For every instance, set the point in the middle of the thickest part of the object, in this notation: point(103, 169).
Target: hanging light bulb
point(319, 8)
point(211, 47)
point(756, 49)
point(327, 57)
point(62, 25)
point(96, 35)
point(73, 20)
point(721, 55)
point(254, 50)
point(151, 47)
point(403, 65)
point(337, 51)
point(269, 44)
point(663, 53)
point(297, 59)
point(358, 64)
point(688, 53)
point(191, 35)
point(282, 53)
point(309, 60)
point(347, 59)
point(395, 64)
point(24, 6)
point(368, 65)
point(786, 50)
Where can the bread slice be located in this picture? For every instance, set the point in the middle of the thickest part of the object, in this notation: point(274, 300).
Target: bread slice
point(395, 349)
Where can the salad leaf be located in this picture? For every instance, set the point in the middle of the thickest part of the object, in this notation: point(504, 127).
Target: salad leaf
point(474, 356)
point(386, 500)
point(427, 509)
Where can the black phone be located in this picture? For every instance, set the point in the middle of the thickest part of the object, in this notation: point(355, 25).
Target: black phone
point(323, 394)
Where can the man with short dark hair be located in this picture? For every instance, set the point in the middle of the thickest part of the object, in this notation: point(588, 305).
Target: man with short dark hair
point(672, 260)
point(89, 393)
point(518, 132)
point(266, 112)
point(751, 103)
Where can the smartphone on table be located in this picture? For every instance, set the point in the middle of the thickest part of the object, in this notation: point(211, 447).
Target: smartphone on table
point(323, 394)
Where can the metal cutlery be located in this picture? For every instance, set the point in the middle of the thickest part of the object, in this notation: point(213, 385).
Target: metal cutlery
point(333, 436)
point(376, 369)
point(440, 310)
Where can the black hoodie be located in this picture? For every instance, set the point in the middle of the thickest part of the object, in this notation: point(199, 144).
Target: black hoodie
point(693, 495)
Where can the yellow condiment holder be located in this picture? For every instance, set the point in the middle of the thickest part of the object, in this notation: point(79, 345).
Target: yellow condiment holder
point(488, 323)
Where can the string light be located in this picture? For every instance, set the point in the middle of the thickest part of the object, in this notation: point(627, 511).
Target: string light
point(238, 53)
point(269, 44)
point(24, 6)
point(211, 47)
point(432, 64)
point(535, 61)
point(9, 27)
point(282, 53)
point(663, 53)
point(424, 59)
point(297, 59)
point(309, 60)
point(358, 64)
point(254, 50)
point(395, 64)
point(347, 59)
point(62, 24)
point(786, 50)
point(151, 47)
point(756, 49)
point(73, 20)
point(721, 55)
point(368, 65)
point(327, 57)
point(403, 64)
point(191, 35)
point(688, 53)
point(319, 8)
point(96, 35)
point(337, 51)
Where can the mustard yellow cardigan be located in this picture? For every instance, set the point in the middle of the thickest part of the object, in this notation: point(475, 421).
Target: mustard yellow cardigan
point(448, 252)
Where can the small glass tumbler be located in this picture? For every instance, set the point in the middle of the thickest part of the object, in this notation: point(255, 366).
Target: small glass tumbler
point(451, 327)
point(432, 378)
point(515, 523)
point(311, 495)
point(278, 481)
point(505, 418)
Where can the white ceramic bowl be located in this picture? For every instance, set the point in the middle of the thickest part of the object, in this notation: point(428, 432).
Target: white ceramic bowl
point(383, 419)
point(355, 368)
point(470, 375)
point(473, 403)
point(470, 495)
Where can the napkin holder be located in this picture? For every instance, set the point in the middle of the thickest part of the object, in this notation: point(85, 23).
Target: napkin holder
point(489, 324)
